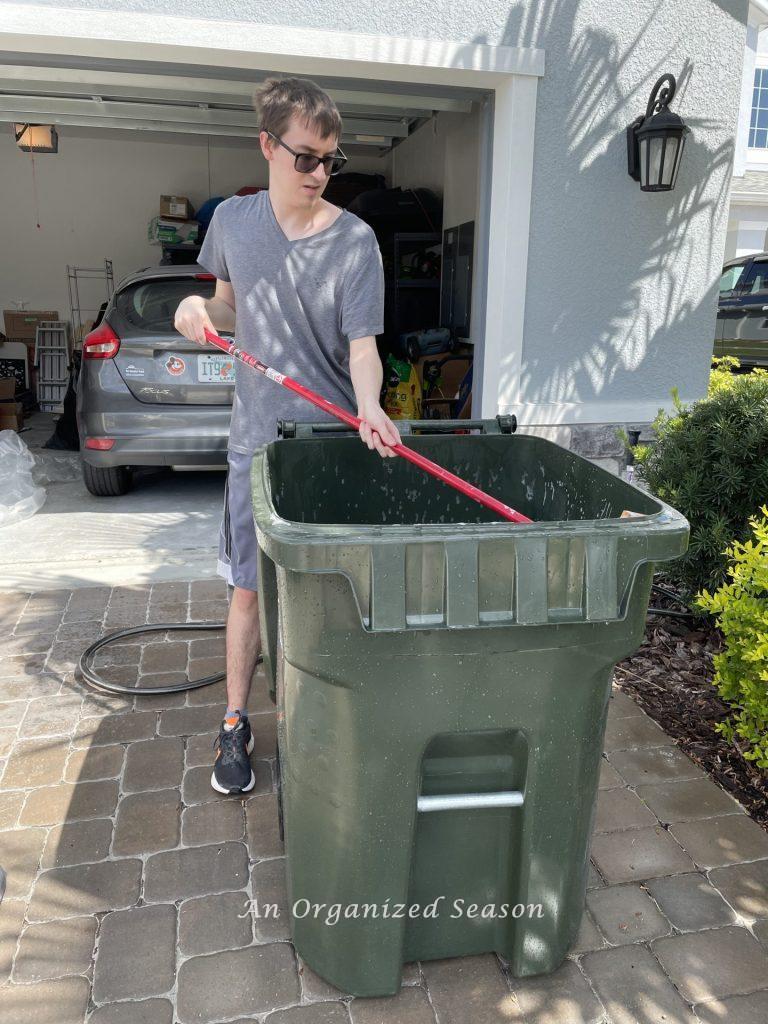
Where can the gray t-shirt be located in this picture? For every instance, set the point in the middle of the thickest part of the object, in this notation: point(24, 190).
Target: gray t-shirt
point(298, 304)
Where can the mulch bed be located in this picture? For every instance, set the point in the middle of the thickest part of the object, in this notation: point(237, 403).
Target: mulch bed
point(670, 677)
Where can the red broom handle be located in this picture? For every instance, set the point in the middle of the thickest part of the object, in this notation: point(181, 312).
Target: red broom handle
point(346, 417)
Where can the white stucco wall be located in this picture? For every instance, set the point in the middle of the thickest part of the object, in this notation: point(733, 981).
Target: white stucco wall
point(621, 285)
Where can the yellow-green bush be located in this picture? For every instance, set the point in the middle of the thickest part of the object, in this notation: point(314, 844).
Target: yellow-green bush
point(741, 670)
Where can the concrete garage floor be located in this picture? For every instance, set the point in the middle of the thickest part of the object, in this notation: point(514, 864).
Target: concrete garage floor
point(166, 528)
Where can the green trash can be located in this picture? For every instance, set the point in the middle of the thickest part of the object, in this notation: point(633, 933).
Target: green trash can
point(442, 689)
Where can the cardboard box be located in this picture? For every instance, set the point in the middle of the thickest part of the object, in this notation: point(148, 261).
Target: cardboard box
point(11, 416)
point(453, 376)
point(7, 389)
point(176, 232)
point(22, 324)
point(176, 207)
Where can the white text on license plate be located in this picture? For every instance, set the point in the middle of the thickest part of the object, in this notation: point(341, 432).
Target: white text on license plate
point(216, 370)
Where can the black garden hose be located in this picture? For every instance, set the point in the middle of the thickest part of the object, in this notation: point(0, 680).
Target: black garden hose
point(91, 676)
point(671, 612)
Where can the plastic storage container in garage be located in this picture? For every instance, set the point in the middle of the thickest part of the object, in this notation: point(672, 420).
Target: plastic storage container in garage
point(442, 690)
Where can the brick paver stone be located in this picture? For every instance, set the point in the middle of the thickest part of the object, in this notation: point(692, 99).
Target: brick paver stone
point(47, 1002)
point(52, 805)
point(269, 891)
point(147, 822)
point(92, 763)
point(102, 730)
point(625, 733)
point(564, 995)
point(469, 989)
point(690, 902)
point(647, 765)
point(242, 981)
point(262, 826)
point(713, 964)
point(77, 842)
point(137, 954)
point(11, 922)
point(55, 949)
point(181, 874)
point(588, 939)
point(715, 842)
point(85, 889)
point(619, 809)
point(211, 924)
point(35, 763)
point(147, 1011)
point(20, 851)
point(409, 1006)
point(154, 764)
point(688, 800)
point(626, 913)
point(745, 886)
point(752, 1009)
point(638, 853)
point(633, 988)
point(213, 822)
point(315, 1013)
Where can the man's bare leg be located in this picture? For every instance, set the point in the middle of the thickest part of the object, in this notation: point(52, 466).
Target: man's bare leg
point(243, 645)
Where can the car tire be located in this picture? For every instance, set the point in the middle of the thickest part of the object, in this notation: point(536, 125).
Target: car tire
point(106, 481)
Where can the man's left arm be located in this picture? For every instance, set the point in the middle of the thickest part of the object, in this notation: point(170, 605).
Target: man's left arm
point(377, 430)
point(362, 318)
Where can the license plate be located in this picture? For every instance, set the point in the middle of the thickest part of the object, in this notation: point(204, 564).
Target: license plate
point(216, 369)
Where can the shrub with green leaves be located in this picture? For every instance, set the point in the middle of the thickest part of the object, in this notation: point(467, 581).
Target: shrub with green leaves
point(741, 670)
point(710, 461)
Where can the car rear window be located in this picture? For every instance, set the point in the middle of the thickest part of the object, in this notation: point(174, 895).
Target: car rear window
point(151, 305)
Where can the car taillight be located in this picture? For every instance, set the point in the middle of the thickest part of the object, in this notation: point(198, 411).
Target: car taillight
point(205, 277)
point(102, 343)
point(100, 444)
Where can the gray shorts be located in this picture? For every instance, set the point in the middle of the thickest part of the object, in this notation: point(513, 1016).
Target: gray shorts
point(237, 535)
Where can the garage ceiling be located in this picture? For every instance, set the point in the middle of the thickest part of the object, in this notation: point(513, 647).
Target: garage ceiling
point(155, 97)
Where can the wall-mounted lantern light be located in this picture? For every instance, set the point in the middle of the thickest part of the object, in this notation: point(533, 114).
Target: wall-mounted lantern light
point(36, 138)
point(655, 142)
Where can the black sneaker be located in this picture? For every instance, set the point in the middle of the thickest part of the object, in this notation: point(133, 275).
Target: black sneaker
point(232, 772)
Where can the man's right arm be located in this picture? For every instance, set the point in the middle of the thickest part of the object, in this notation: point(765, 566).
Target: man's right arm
point(194, 314)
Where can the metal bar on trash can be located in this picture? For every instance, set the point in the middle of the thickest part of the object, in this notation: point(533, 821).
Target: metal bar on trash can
point(468, 801)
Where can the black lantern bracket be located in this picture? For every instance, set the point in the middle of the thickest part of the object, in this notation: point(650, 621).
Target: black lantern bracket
point(655, 141)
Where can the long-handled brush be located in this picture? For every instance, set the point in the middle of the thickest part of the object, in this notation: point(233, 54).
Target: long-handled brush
point(231, 348)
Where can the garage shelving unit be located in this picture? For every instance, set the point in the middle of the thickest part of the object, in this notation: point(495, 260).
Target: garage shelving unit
point(76, 278)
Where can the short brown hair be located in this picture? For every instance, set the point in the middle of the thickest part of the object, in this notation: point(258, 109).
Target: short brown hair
point(277, 100)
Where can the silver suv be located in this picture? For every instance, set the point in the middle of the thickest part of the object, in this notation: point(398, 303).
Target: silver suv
point(146, 396)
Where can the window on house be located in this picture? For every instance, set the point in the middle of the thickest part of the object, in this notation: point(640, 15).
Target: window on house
point(758, 124)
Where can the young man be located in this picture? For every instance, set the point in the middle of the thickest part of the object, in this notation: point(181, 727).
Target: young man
point(300, 282)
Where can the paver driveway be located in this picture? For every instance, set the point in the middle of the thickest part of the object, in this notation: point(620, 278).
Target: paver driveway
point(127, 874)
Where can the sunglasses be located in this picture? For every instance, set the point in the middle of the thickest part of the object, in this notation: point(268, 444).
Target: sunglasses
point(305, 163)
